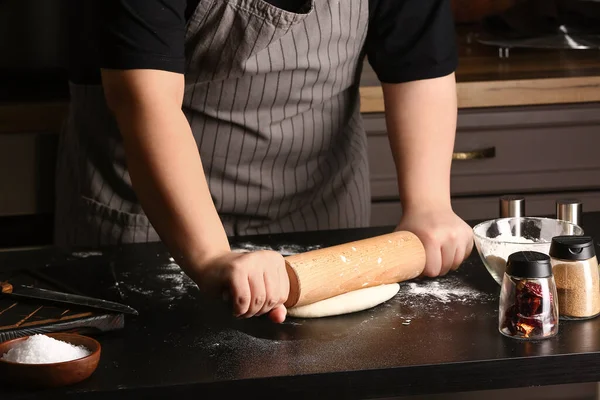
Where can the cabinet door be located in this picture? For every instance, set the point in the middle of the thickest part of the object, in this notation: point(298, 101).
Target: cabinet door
point(500, 151)
point(27, 165)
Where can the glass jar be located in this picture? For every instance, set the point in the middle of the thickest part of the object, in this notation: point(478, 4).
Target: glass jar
point(528, 308)
point(575, 270)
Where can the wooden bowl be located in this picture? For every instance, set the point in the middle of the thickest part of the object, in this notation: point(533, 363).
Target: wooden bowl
point(50, 375)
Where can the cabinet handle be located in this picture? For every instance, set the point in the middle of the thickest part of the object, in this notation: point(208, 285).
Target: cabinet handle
point(489, 152)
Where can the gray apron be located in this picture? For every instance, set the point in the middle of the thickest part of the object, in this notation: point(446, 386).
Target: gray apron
point(272, 99)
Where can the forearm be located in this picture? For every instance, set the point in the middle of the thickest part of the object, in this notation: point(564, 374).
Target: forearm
point(167, 176)
point(421, 123)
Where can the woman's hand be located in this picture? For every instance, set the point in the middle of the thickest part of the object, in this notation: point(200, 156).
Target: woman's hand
point(254, 283)
point(447, 239)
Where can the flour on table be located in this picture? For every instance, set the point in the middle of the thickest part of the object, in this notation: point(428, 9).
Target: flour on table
point(285, 249)
point(448, 289)
point(436, 298)
point(444, 293)
point(176, 281)
point(168, 281)
point(86, 254)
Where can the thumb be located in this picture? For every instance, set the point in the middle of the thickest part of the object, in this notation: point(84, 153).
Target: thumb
point(278, 314)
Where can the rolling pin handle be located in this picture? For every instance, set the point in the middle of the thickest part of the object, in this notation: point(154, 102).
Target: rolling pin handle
point(294, 294)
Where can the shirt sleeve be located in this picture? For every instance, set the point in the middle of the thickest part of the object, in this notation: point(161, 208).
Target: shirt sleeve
point(411, 40)
point(143, 34)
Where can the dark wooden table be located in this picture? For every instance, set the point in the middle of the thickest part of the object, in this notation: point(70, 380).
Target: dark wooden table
point(417, 343)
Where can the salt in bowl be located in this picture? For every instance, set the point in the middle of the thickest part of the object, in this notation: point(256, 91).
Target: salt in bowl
point(54, 374)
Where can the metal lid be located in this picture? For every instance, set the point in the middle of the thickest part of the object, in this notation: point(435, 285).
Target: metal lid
point(512, 206)
point(572, 248)
point(569, 210)
point(529, 264)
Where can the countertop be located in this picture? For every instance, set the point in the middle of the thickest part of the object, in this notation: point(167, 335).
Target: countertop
point(434, 336)
point(526, 77)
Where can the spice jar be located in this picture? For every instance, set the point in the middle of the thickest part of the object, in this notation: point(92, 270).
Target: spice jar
point(575, 270)
point(528, 308)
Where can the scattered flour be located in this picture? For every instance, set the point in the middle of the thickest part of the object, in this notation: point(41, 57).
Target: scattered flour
point(42, 349)
point(172, 283)
point(448, 289)
point(86, 254)
point(443, 292)
point(168, 280)
point(285, 250)
point(178, 284)
point(136, 289)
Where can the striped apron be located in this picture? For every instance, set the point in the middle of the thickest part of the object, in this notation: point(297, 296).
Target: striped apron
point(273, 102)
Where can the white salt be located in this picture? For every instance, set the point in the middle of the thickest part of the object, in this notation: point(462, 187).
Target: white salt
point(42, 349)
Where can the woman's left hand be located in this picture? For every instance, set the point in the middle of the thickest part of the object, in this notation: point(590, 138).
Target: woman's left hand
point(447, 239)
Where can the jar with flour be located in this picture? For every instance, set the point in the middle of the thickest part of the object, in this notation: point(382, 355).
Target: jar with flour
point(575, 270)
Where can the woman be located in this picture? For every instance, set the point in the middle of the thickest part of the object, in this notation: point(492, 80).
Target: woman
point(191, 120)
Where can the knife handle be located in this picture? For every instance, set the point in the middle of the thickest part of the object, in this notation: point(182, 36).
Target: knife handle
point(6, 287)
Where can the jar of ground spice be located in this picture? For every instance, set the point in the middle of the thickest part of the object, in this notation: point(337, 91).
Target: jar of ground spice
point(577, 277)
point(528, 308)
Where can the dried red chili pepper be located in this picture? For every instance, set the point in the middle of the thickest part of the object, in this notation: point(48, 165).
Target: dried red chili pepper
point(534, 288)
point(511, 319)
point(520, 318)
point(525, 329)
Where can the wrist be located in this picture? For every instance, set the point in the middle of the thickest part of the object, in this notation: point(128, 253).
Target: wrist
point(425, 202)
point(200, 257)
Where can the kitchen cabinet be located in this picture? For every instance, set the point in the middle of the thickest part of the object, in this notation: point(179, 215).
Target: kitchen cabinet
point(27, 173)
point(542, 152)
point(28, 143)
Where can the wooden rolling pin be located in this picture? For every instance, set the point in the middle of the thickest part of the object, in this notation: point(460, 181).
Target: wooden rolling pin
point(320, 274)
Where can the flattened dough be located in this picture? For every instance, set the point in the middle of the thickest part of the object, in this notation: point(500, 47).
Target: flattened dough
point(346, 303)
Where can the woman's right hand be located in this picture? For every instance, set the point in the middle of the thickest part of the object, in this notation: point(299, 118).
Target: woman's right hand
point(253, 283)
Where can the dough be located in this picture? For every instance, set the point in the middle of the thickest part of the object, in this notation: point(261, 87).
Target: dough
point(346, 303)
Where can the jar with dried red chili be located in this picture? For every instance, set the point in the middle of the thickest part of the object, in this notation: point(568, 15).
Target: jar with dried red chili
point(528, 300)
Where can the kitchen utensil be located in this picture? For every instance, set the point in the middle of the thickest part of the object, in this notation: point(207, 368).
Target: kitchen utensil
point(323, 273)
point(528, 300)
point(497, 239)
point(51, 375)
point(26, 292)
point(565, 41)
